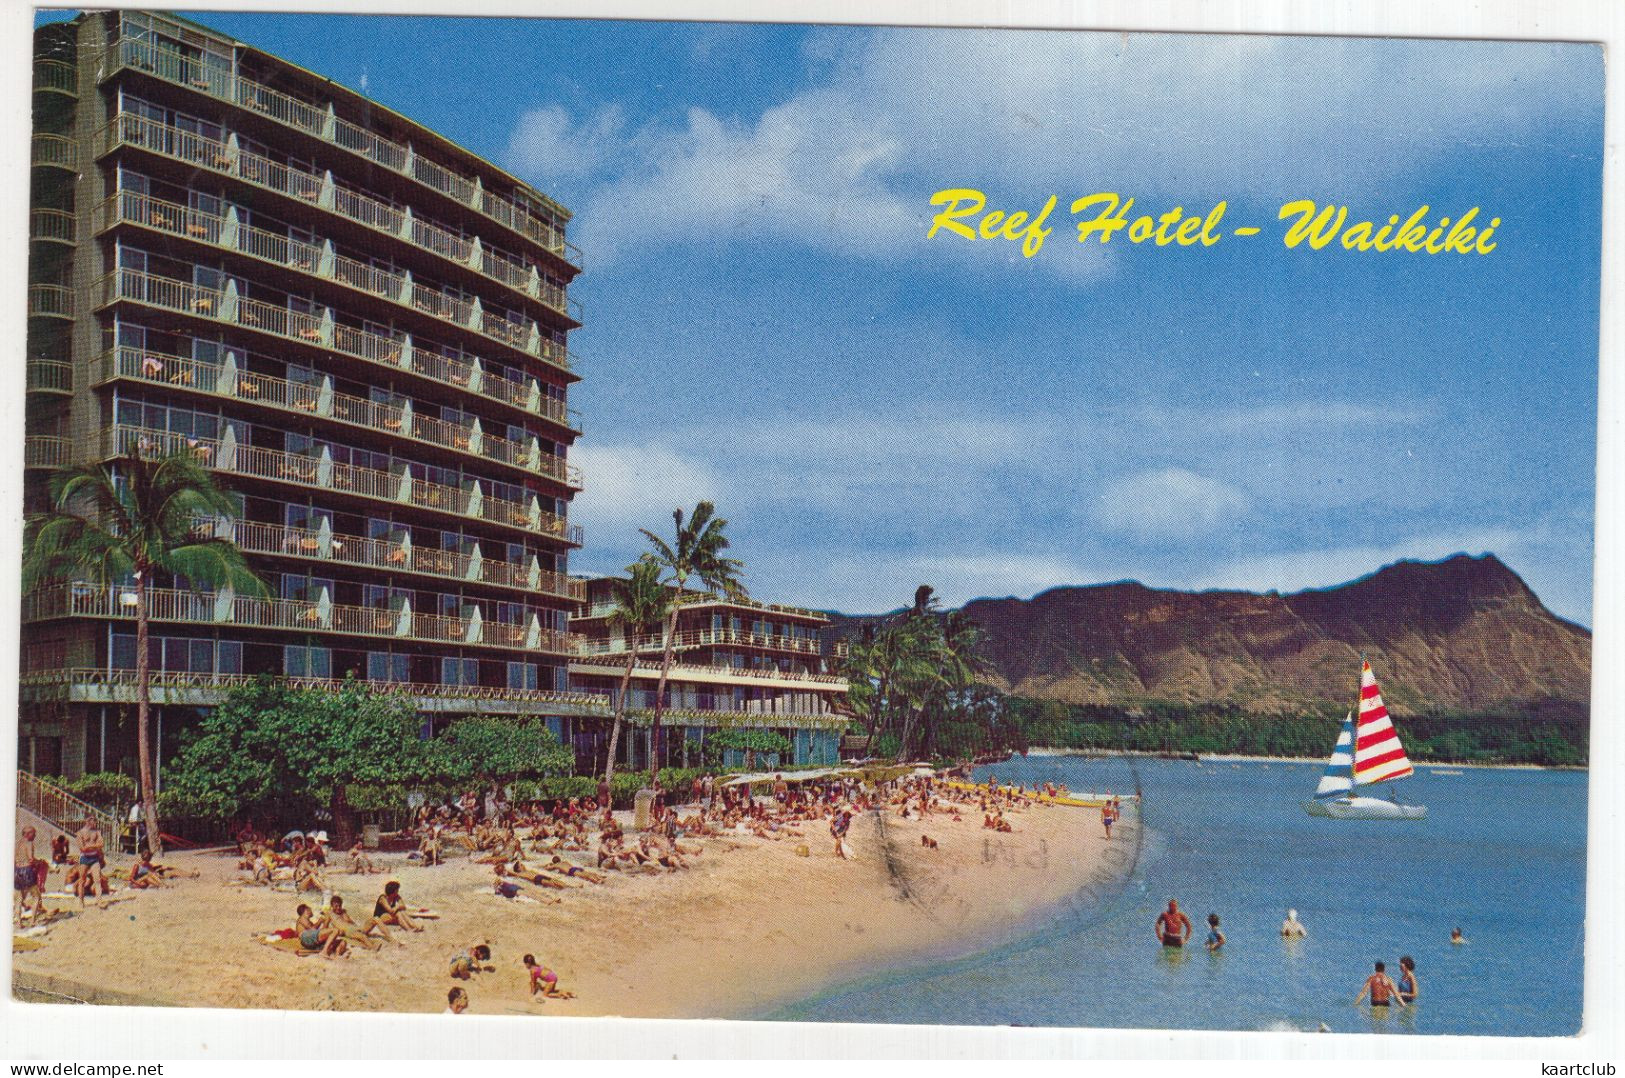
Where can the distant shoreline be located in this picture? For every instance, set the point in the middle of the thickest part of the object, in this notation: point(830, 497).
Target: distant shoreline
point(1239, 758)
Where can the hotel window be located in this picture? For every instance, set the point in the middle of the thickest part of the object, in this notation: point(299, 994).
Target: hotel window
point(299, 660)
point(304, 588)
point(387, 666)
point(459, 671)
point(523, 676)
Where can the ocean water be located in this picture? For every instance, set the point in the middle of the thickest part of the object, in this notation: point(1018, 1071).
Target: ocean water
point(1501, 854)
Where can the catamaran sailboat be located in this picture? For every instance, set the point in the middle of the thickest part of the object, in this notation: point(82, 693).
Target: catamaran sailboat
point(1367, 752)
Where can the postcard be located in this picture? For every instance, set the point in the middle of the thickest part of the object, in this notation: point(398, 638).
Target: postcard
point(543, 518)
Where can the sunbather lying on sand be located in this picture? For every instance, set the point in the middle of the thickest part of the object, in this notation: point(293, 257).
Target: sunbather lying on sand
point(565, 868)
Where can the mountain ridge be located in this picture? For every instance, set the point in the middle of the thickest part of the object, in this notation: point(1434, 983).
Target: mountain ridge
point(1464, 633)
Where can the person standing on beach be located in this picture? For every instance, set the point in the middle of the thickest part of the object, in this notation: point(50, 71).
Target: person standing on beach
point(838, 827)
point(27, 877)
point(1173, 927)
point(92, 855)
point(1381, 987)
point(1107, 818)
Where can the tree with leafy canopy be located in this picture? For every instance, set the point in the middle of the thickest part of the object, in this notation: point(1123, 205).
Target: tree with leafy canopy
point(696, 553)
point(494, 752)
point(751, 742)
point(138, 521)
point(271, 750)
point(642, 602)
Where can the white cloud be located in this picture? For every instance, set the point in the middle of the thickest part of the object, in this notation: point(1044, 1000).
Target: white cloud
point(1170, 503)
point(630, 487)
point(847, 166)
point(548, 145)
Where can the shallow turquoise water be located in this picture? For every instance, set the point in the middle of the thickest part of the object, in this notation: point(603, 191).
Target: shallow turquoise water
point(1501, 854)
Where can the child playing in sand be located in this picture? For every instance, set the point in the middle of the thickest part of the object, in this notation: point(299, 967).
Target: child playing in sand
point(543, 981)
point(456, 1001)
point(467, 962)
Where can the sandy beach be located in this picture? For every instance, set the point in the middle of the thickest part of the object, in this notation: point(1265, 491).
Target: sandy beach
point(750, 926)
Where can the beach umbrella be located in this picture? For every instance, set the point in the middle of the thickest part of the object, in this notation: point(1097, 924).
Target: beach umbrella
point(293, 834)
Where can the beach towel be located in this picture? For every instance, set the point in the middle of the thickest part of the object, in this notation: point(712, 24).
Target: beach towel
point(515, 898)
point(290, 945)
point(23, 943)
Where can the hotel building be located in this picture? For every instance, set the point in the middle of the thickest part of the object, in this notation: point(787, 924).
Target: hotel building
point(360, 327)
point(737, 664)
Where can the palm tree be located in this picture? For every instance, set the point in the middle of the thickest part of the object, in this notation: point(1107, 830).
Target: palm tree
point(141, 522)
point(641, 601)
point(916, 674)
point(697, 555)
point(959, 651)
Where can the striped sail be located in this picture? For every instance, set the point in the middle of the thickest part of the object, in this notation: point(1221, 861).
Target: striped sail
point(1338, 779)
point(1378, 755)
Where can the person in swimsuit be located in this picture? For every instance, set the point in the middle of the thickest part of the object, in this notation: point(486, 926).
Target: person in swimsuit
point(543, 981)
point(1215, 938)
point(1292, 928)
point(1456, 936)
point(145, 873)
point(390, 909)
point(1409, 986)
point(466, 963)
point(29, 875)
point(92, 856)
point(1173, 928)
point(456, 1001)
point(1380, 987)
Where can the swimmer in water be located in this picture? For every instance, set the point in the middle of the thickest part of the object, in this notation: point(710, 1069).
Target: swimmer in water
point(1292, 928)
point(1456, 936)
point(1215, 938)
point(1381, 987)
point(1173, 928)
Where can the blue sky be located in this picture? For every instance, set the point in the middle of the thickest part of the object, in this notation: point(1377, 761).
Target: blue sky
point(768, 326)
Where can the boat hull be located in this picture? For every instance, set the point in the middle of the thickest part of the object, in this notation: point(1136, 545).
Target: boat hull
point(1363, 808)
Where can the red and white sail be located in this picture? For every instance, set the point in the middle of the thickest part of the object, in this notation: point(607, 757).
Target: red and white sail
point(1378, 755)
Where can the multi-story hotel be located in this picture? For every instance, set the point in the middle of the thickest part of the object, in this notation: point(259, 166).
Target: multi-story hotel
point(358, 325)
point(736, 664)
point(361, 329)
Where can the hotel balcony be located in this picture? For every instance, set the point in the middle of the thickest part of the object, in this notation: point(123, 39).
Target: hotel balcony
point(56, 76)
point(320, 401)
point(49, 376)
point(321, 123)
point(394, 555)
point(55, 226)
point(54, 151)
point(319, 471)
point(50, 301)
point(45, 451)
point(309, 189)
point(223, 608)
point(169, 687)
point(705, 638)
point(699, 599)
point(319, 331)
point(318, 260)
point(708, 674)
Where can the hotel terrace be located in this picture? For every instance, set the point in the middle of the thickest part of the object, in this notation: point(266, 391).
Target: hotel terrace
point(362, 330)
point(735, 662)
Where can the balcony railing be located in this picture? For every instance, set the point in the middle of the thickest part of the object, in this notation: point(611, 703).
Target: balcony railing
point(701, 672)
point(45, 451)
point(57, 226)
point(49, 376)
point(227, 158)
point(203, 689)
point(323, 124)
point(700, 598)
point(55, 151)
point(57, 76)
point(317, 259)
point(294, 615)
point(50, 300)
point(704, 638)
point(321, 332)
point(394, 556)
point(396, 420)
point(320, 471)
